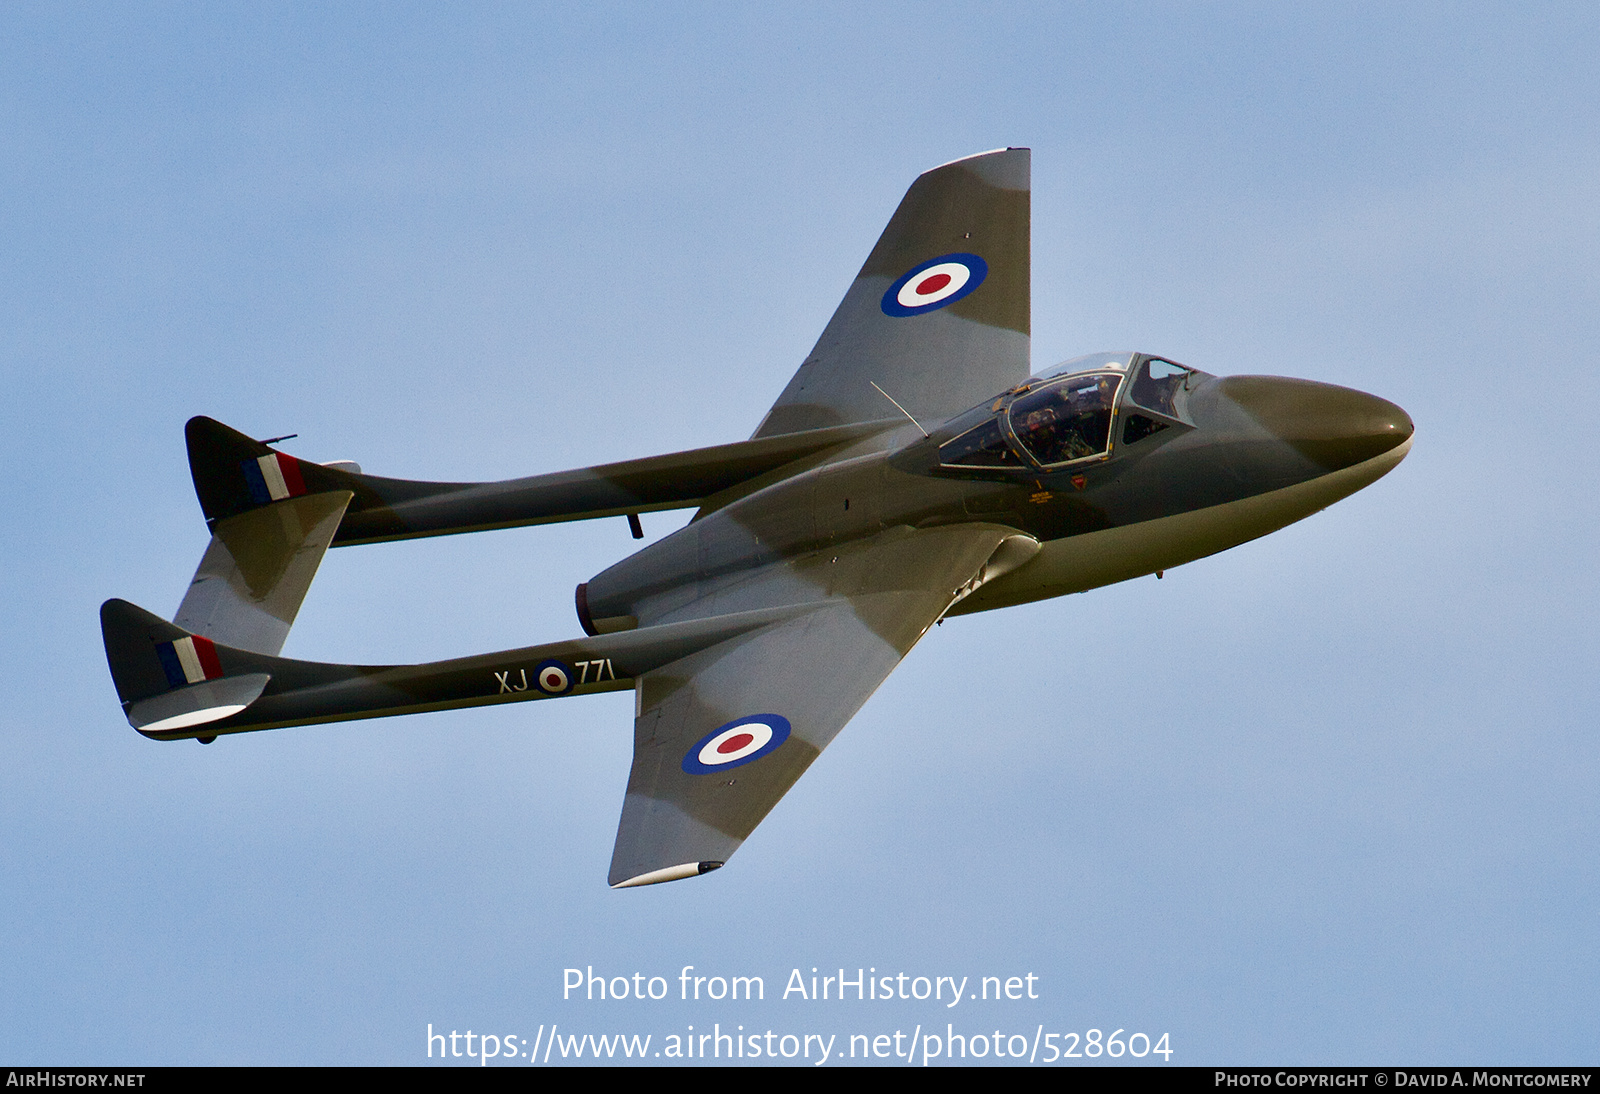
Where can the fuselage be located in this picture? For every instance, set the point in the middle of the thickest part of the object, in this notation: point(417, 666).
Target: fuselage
point(1117, 465)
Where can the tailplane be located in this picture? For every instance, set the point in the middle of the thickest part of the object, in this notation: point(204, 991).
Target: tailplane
point(257, 569)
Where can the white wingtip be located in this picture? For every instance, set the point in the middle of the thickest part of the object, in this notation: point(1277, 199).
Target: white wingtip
point(669, 873)
point(974, 156)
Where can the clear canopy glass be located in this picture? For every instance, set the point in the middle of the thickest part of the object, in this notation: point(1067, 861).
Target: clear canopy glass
point(1157, 383)
point(1089, 362)
point(1067, 420)
point(1065, 413)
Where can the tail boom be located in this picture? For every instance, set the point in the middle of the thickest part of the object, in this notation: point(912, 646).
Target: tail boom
point(235, 474)
point(241, 691)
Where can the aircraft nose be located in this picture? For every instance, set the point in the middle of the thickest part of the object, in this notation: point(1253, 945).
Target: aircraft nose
point(1335, 427)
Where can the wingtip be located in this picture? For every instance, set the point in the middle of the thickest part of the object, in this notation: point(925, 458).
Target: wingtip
point(1005, 168)
point(974, 156)
point(668, 873)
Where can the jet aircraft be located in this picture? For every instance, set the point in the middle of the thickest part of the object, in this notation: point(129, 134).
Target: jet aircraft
point(912, 469)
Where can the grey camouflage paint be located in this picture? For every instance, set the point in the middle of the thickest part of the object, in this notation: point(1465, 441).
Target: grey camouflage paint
point(821, 550)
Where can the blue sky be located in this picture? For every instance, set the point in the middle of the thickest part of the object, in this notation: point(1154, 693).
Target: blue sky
point(1325, 798)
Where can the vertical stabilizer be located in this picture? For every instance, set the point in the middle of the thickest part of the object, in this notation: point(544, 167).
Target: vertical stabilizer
point(272, 518)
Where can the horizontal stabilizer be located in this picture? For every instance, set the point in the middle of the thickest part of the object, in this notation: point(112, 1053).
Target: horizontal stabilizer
point(235, 474)
point(174, 684)
point(257, 569)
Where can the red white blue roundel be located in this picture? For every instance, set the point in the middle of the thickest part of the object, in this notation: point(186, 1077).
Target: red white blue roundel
point(935, 284)
point(552, 678)
point(739, 742)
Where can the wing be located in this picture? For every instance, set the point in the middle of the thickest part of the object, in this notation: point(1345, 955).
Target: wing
point(938, 315)
point(723, 733)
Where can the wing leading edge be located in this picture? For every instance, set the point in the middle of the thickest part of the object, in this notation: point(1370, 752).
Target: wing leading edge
point(723, 733)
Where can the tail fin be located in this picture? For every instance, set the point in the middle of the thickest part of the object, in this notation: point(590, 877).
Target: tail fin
point(169, 679)
point(272, 518)
point(235, 474)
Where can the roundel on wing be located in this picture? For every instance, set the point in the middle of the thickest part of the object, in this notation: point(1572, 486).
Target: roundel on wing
point(739, 742)
point(552, 678)
point(934, 284)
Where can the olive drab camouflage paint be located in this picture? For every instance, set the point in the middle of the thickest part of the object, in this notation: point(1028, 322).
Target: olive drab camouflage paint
point(911, 469)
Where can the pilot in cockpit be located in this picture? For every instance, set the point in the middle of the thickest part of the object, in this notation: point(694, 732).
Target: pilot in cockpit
point(1067, 421)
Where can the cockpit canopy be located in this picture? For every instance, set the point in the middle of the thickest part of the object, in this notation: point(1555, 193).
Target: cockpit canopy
point(1067, 414)
point(1089, 362)
point(1071, 420)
